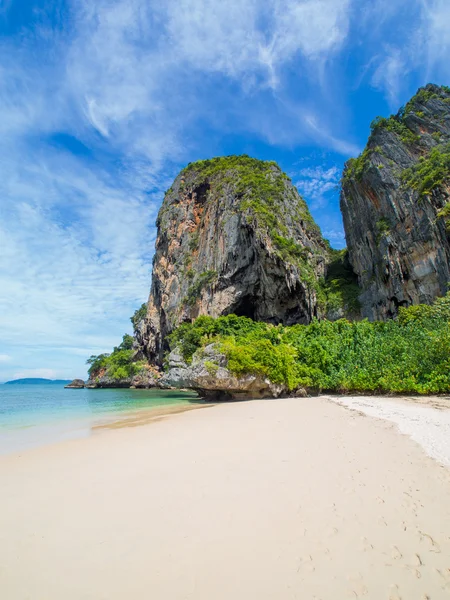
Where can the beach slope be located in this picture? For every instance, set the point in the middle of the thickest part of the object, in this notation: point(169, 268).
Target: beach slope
point(283, 499)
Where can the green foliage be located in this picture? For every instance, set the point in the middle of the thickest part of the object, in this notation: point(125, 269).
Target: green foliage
point(340, 288)
point(422, 97)
point(193, 241)
point(426, 313)
point(260, 187)
point(444, 213)
point(191, 336)
point(117, 365)
point(211, 367)
point(126, 344)
point(383, 228)
point(395, 124)
point(355, 167)
point(406, 355)
point(139, 315)
point(430, 172)
point(195, 289)
point(97, 363)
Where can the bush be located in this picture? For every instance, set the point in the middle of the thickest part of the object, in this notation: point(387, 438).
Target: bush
point(139, 315)
point(410, 354)
point(430, 172)
point(203, 281)
point(117, 365)
point(339, 289)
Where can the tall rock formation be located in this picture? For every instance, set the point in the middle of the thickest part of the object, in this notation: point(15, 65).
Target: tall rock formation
point(234, 236)
point(394, 203)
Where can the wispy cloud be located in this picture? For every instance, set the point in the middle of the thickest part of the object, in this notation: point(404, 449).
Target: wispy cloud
point(103, 102)
point(38, 373)
point(315, 182)
point(388, 75)
point(413, 44)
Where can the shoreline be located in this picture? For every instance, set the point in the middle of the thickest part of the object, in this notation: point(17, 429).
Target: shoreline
point(284, 498)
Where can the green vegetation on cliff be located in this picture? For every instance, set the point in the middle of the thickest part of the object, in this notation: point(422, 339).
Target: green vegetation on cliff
point(117, 365)
point(139, 315)
point(200, 282)
point(260, 186)
point(339, 290)
point(410, 354)
point(430, 172)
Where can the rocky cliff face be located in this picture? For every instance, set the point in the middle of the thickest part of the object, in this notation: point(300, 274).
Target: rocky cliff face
point(234, 236)
point(394, 203)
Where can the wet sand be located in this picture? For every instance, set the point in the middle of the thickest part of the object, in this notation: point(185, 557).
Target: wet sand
point(276, 499)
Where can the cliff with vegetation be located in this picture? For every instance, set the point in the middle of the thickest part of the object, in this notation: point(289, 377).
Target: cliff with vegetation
point(234, 236)
point(248, 299)
point(395, 205)
point(235, 357)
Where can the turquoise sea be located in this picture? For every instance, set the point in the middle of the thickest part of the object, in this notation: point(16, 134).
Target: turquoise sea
point(35, 415)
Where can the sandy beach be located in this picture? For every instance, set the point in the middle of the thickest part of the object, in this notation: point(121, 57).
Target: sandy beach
point(315, 498)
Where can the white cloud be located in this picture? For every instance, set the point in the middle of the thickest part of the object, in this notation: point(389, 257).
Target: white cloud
point(418, 44)
point(43, 373)
point(434, 34)
point(316, 27)
point(334, 235)
point(315, 182)
point(4, 358)
point(328, 139)
point(389, 74)
point(131, 80)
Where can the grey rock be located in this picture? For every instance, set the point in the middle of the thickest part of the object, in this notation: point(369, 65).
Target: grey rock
point(146, 378)
point(215, 257)
point(76, 384)
point(209, 376)
point(397, 245)
point(108, 382)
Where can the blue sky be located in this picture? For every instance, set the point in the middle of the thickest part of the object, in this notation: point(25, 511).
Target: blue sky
point(103, 101)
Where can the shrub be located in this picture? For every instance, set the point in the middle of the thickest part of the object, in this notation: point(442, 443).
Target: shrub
point(396, 125)
point(339, 289)
point(204, 280)
point(430, 172)
point(405, 355)
point(139, 315)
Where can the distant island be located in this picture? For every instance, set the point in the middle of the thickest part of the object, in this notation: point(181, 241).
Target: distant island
point(37, 381)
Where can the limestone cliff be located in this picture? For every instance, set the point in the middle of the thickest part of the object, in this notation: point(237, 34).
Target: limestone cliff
point(234, 236)
point(394, 203)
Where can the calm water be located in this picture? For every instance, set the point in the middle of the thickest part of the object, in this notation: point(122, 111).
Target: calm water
point(33, 415)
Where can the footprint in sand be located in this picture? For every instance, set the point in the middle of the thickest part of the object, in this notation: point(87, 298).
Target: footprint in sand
point(444, 576)
point(394, 593)
point(417, 561)
point(306, 564)
point(359, 588)
point(366, 545)
point(433, 546)
point(396, 554)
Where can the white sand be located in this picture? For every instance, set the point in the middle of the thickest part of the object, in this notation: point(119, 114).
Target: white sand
point(276, 500)
point(425, 419)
